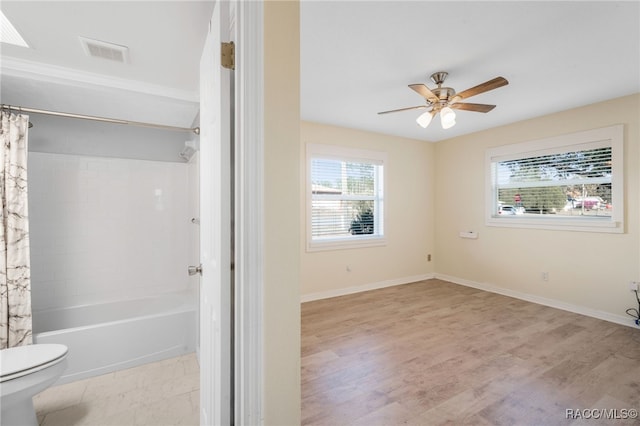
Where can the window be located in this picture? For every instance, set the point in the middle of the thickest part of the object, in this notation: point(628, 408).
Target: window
point(571, 182)
point(345, 197)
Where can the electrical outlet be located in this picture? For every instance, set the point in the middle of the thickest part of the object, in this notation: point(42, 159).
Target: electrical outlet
point(544, 276)
point(429, 258)
point(633, 286)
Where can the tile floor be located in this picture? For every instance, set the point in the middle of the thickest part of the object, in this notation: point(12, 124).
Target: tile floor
point(161, 393)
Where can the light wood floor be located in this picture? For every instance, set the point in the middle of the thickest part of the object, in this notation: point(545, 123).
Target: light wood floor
point(436, 353)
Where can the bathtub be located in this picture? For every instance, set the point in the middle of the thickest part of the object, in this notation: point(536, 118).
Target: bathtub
point(113, 336)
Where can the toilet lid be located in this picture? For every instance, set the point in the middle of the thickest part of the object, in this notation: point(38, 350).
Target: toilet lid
point(15, 362)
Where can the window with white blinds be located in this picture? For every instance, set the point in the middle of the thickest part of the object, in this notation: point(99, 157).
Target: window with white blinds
point(569, 182)
point(345, 197)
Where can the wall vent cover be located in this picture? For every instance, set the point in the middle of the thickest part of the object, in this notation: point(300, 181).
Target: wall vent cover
point(104, 50)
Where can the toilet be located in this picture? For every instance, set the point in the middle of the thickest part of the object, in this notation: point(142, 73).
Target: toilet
point(24, 372)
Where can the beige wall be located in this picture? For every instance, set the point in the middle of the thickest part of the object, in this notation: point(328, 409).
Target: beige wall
point(586, 269)
point(281, 254)
point(409, 174)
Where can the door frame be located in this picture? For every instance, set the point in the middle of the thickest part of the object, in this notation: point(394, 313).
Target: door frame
point(249, 208)
point(248, 31)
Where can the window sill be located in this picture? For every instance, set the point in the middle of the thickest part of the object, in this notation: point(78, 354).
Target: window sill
point(582, 225)
point(342, 244)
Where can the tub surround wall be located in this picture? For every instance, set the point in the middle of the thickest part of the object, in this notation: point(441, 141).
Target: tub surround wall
point(105, 229)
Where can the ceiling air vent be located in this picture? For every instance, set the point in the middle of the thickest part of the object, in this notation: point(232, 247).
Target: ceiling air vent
point(104, 50)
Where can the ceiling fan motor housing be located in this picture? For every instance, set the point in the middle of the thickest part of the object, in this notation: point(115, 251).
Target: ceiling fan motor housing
point(444, 94)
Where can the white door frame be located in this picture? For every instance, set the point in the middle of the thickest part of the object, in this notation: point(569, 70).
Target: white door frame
point(247, 34)
point(249, 133)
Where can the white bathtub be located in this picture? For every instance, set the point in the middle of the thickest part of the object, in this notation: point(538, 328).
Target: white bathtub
point(113, 336)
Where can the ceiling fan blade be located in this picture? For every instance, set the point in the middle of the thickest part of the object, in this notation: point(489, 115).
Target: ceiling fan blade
point(473, 107)
point(403, 109)
point(424, 92)
point(484, 87)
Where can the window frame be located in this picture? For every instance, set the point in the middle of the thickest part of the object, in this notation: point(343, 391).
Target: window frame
point(339, 153)
point(612, 136)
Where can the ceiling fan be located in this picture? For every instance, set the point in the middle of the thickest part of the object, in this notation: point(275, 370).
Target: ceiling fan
point(444, 100)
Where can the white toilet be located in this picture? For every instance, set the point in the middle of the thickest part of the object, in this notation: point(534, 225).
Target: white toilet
point(26, 371)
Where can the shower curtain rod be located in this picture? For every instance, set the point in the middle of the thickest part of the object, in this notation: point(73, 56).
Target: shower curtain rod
point(195, 130)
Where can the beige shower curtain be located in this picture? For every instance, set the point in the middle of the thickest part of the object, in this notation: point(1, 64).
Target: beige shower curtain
point(15, 271)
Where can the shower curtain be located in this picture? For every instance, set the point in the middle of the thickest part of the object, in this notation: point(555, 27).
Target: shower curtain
point(15, 271)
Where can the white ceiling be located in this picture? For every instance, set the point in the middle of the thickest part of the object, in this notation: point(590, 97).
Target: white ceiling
point(158, 85)
point(357, 59)
point(165, 38)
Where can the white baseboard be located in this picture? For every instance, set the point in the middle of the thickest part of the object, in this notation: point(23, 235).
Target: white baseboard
point(582, 310)
point(365, 287)
point(594, 313)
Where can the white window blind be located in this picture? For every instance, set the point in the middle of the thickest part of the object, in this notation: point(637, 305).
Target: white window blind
point(346, 197)
point(569, 182)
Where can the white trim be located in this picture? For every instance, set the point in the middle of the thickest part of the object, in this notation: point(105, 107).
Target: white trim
point(365, 287)
point(607, 136)
point(580, 141)
point(553, 303)
point(60, 75)
point(340, 153)
point(346, 243)
point(249, 396)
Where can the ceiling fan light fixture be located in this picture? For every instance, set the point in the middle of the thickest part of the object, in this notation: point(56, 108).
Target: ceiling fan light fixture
point(440, 99)
point(449, 124)
point(447, 117)
point(424, 119)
